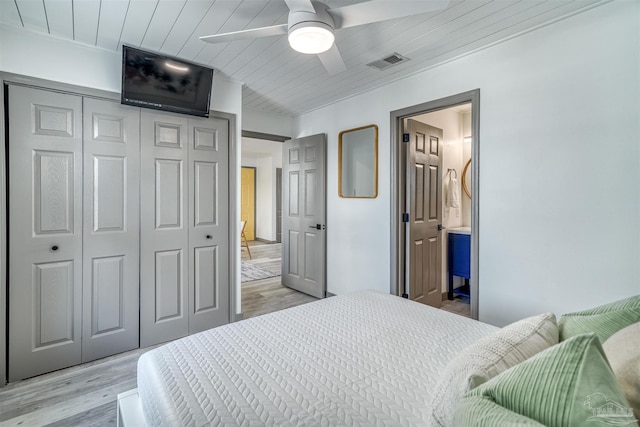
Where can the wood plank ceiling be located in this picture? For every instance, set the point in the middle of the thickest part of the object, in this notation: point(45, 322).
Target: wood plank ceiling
point(276, 78)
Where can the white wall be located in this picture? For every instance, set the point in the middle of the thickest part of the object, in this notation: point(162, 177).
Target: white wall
point(265, 193)
point(559, 167)
point(269, 123)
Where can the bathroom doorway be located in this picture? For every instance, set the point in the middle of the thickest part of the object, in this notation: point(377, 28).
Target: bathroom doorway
point(449, 191)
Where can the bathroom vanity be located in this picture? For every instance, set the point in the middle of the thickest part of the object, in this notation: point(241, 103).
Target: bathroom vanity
point(458, 256)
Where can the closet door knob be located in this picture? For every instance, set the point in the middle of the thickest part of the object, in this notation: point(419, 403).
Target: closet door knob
point(54, 247)
point(208, 236)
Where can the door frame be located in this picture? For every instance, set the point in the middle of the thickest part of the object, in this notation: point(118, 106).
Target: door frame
point(278, 204)
point(7, 78)
point(398, 237)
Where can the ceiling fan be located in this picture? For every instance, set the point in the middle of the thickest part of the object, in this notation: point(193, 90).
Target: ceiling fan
point(311, 25)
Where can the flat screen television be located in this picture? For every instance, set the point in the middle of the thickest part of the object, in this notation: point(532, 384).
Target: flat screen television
point(153, 80)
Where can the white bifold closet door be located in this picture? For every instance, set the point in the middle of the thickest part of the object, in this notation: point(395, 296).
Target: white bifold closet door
point(73, 260)
point(184, 229)
point(111, 238)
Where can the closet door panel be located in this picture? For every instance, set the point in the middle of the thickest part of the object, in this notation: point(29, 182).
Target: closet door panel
point(168, 286)
point(168, 193)
point(107, 296)
point(164, 231)
point(205, 280)
point(45, 238)
point(109, 204)
point(208, 224)
point(111, 228)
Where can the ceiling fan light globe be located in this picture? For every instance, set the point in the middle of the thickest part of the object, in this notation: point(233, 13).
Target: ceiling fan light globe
point(311, 37)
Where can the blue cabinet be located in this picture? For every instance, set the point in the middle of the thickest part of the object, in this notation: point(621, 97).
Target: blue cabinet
point(459, 258)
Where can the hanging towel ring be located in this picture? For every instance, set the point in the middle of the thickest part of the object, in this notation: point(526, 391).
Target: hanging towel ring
point(454, 172)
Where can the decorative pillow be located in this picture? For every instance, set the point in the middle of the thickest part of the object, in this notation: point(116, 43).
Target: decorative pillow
point(604, 321)
point(487, 358)
point(623, 353)
point(482, 412)
point(569, 384)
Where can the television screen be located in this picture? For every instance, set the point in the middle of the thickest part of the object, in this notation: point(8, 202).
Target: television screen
point(157, 81)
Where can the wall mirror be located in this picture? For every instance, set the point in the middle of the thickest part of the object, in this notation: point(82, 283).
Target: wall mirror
point(466, 178)
point(358, 162)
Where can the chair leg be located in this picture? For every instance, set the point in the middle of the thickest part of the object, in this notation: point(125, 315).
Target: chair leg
point(246, 245)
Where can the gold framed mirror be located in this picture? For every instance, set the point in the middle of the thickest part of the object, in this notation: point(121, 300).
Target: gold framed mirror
point(358, 162)
point(466, 178)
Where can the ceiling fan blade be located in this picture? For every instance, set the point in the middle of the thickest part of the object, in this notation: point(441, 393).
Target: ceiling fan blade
point(300, 5)
point(276, 30)
point(332, 60)
point(381, 10)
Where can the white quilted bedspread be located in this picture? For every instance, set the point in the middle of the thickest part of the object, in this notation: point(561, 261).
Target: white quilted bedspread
point(365, 358)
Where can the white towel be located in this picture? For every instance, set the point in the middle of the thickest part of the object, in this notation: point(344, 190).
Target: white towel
point(453, 195)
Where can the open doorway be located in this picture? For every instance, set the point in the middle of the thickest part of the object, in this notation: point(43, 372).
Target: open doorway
point(260, 160)
point(261, 208)
point(259, 193)
point(434, 220)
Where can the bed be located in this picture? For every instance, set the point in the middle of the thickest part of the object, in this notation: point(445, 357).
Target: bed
point(364, 358)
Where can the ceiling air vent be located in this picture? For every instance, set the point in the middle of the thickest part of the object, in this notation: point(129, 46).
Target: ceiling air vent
point(389, 61)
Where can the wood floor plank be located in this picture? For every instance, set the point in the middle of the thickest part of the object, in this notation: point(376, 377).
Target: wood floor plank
point(28, 395)
point(96, 417)
point(80, 406)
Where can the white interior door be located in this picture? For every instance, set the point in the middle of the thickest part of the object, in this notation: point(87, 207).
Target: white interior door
point(164, 233)
point(424, 247)
point(208, 223)
point(111, 228)
point(45, 231)
point(304, 215)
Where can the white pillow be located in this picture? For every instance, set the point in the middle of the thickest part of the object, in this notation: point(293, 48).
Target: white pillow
point(489, 357)
point(623, 352)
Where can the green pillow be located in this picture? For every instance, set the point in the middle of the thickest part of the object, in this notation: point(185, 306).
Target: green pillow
point(488, 357)
point(623, 354)
point(569, 384)
point(482, 412)
point(604, 321)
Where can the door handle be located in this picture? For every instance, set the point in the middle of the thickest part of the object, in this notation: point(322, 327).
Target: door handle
point(318, 227)
point(54, 248)
point(208, 236)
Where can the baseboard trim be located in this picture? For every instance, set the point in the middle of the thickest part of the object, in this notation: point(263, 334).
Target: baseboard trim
point(329, 294)
point(238, 317)
point(268, 242)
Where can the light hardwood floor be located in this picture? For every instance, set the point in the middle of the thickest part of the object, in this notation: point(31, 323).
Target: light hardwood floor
point(460, 305)
point(85, 395)
point(267, 295)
